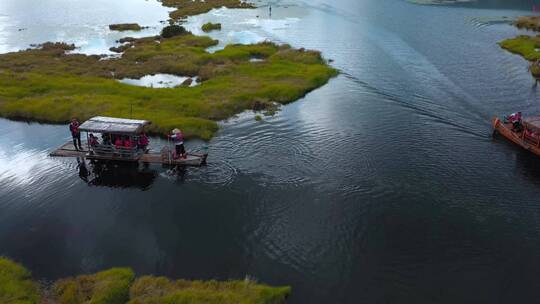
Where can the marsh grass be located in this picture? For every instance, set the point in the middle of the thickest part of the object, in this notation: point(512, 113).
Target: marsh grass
point(106, 287)
point(48, 85)
point(528, 22)
point(526, 46)
point(208, 27)
point(160, 290)
point(125, 27)
point(16, 286)
point(118, 286)
point(186, 8)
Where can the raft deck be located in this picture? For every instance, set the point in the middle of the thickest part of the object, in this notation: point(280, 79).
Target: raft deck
point(192, 159)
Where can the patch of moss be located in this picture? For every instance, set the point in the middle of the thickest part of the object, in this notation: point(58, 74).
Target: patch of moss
point(186, 8)
point(125, 27)
point(208, 27)
point(106, 287)
point(46, 84)
point(16, 286)
point(160, 290)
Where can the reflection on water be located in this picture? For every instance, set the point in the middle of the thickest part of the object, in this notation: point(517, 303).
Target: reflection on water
point(116, 174)
point(383, 186)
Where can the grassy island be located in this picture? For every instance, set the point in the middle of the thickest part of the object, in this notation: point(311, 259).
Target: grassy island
point(208, 27)
point(526, 46)
point(186, 8)
point(125, 27)
point(49, 85)
point(120, 286)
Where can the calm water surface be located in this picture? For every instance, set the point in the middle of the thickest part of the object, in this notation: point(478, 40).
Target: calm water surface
point(384, 186)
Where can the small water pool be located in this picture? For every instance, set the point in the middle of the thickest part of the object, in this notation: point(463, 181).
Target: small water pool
point(162, 81)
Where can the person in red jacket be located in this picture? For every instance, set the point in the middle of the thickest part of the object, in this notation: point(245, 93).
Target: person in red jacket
point(75, 133)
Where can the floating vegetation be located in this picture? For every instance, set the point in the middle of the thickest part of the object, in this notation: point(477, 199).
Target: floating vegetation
point(208, 27)
point(526, 46)
point(186, 8)
point(48, 84)
point(125, 27)
point(529, 48)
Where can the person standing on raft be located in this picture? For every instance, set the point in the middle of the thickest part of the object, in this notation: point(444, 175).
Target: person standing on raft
point(178, 139)
point(75, 133)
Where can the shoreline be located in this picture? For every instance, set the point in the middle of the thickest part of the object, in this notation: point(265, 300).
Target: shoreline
point(52, 85)
point(121, 285)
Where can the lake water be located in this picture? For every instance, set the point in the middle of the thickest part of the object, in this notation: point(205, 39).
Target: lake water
point(384, 186)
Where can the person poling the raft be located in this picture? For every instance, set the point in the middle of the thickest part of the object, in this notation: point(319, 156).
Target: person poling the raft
point(178, 139)
point(75, 133)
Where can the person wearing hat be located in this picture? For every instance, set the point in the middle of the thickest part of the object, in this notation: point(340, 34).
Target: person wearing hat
point(178, 138)
point(75, 133)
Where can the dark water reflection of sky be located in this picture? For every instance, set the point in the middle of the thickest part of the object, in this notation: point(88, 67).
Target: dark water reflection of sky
point(383, 186)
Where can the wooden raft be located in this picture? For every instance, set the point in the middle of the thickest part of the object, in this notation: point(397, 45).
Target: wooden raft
point(68, 150)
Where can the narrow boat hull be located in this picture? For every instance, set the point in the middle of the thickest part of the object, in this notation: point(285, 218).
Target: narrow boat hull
point(505, 129)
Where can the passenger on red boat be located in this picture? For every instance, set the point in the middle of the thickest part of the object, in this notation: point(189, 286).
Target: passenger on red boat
point(515, 120)
point(531, 135)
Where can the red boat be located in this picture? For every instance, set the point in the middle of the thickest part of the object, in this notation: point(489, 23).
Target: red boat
point(527, 135)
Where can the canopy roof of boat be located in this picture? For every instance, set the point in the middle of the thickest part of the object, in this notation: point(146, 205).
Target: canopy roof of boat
point(102, 124)
point(532, 123)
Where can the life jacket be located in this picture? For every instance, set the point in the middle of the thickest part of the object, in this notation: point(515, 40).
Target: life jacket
point(118, 142)
point(74, 127)
point(143, 140)
point(127, 143)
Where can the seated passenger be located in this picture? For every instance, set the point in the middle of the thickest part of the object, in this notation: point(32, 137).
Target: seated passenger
point(118, 143)
point(92, 140)
point(127, 142)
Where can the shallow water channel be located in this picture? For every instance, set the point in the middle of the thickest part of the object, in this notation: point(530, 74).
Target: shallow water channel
point(384, 186)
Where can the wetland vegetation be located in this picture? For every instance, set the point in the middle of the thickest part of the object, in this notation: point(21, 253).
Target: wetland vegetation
point(186, 8)
point(47, 84)
point(125, 27)
point(120, 285)
point(526, 46)
point(208, 27)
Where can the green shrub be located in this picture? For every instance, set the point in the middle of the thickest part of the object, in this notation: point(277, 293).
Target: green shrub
point(208, 27)
point(172, 31)
point(16, 286)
